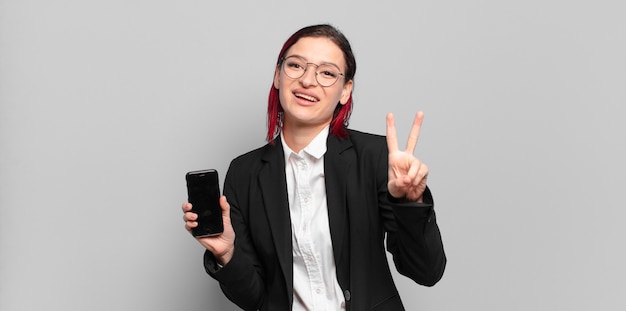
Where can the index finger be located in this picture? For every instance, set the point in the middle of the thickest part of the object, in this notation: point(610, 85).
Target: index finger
point(392, 137)
point(415, 132)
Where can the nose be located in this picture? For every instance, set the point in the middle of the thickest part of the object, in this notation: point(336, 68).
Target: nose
point(309, 78)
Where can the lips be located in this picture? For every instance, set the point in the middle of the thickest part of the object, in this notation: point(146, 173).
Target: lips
point(307, 97)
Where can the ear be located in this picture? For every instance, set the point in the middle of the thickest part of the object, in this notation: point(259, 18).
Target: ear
point(277, 77)
point(346, 92)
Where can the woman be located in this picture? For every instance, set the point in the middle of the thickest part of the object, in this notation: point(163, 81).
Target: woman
point(305, 216)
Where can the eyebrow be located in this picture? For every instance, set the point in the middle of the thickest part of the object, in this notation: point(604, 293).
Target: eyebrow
point(306, 60)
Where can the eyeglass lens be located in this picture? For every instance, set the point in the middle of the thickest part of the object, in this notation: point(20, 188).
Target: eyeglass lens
point(325, 74)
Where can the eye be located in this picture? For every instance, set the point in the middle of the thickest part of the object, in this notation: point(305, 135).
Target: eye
point(294, 65)
point(328, 73)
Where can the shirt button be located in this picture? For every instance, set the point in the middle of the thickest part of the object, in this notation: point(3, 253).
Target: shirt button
point(318, 290)
point(346, 295)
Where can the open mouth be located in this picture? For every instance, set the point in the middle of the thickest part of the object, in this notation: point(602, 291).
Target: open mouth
point(307, 97)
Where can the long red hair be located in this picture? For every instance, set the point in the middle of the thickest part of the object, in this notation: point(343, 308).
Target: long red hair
point(339, 122)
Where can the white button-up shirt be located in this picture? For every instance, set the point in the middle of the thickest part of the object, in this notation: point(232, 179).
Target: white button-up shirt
point(315, 285)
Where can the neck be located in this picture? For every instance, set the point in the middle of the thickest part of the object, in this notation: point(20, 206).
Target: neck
point(298, 137)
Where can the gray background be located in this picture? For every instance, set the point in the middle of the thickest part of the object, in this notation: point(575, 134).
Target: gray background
point(104, 105)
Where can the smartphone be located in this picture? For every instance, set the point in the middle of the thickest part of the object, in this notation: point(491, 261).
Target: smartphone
point(203, 192)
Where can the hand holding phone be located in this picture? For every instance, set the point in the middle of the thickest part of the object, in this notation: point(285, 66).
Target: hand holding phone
point(203, 193)
point(222, 246)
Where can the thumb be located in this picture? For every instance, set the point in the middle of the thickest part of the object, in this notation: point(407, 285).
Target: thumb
point(225, 206)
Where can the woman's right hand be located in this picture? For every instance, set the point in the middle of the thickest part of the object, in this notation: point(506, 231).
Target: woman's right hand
point(222, 246)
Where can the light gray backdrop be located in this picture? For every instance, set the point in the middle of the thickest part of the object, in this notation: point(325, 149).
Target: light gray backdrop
point(104, 105)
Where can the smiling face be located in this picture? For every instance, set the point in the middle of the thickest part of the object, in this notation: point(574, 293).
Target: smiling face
point(305, 103)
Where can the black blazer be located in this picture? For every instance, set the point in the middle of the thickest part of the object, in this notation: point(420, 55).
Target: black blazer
point(360, 211)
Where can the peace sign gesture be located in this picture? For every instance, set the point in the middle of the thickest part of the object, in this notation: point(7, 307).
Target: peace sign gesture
point(407, 174)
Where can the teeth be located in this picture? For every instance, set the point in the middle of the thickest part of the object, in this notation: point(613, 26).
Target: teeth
point(307, 97)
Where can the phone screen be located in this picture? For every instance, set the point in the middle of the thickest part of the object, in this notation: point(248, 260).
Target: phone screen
point(203, 192)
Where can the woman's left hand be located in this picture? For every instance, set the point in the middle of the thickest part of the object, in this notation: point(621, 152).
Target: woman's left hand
point(407, 174)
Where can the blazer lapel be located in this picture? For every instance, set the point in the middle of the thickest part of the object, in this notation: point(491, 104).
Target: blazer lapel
point(337, 162)
point(274, 190)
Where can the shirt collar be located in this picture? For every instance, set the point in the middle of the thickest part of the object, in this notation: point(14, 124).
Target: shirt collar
point(316, 148)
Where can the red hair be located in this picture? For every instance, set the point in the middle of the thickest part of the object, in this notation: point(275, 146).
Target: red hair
point(339, 122)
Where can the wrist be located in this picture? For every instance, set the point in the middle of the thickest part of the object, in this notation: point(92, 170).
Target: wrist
point(404, 198)
point(225, 258)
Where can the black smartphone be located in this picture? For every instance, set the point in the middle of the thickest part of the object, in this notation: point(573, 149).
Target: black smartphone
point(203, 192)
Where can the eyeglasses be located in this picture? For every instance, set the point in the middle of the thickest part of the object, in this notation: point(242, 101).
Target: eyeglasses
point(325, 74)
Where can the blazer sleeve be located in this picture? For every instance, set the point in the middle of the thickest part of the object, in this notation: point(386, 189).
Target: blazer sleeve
point(241, 279)
point(413, 236)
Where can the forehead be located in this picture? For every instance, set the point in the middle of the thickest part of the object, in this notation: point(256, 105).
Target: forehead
point(318, 50)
